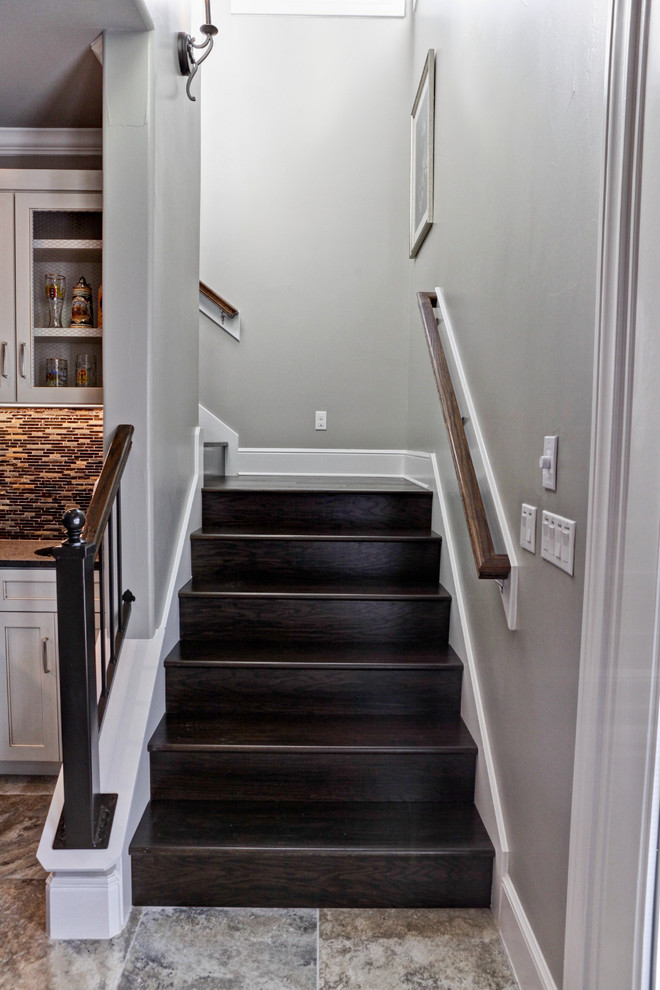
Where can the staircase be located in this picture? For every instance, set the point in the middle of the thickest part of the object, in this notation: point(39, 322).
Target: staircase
point(312, 753)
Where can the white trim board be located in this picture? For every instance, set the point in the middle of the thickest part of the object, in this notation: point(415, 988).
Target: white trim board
point(483, 467)
point(215, 431)
point(527, 960)
point(217, 315)
point(316, 461)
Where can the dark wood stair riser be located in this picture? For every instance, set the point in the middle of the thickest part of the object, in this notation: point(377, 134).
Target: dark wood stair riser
point(313, 776)
point(204, 691)
point(311, 619)
point(281, 879)
point(385, 511)
point(406, 561)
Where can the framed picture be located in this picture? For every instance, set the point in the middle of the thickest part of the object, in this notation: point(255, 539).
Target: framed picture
point(421, 156)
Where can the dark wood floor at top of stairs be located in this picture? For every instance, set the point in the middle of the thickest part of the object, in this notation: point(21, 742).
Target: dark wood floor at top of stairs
point(316, 483)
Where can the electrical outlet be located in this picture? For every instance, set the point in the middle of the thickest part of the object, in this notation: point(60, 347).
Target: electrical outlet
point(528, 527)
point(321, 420)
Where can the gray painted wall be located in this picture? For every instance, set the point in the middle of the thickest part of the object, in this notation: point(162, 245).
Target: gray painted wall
point(304, 228)
point(151, 370)
point(519, 149)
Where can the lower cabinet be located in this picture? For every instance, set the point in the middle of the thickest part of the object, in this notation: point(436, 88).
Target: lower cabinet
point(29, 692)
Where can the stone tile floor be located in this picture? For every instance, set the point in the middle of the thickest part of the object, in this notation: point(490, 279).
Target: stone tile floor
point(230, 949)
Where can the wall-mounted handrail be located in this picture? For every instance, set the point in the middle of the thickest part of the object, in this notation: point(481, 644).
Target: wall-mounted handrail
point(92, 549)
point(488, 563)
point(221, 303)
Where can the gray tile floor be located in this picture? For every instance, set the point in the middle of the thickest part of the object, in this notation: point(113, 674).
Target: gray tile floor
point(230, 949)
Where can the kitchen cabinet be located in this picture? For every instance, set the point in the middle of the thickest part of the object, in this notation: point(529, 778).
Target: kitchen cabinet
point(29, 713)
point(29, 686)
point(43, 232)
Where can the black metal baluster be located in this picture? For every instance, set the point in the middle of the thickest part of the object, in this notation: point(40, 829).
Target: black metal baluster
point(111, 588)
point(120, 611)
point(102, 629)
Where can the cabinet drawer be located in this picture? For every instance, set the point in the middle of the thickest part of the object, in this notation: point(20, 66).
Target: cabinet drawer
point(27, 590)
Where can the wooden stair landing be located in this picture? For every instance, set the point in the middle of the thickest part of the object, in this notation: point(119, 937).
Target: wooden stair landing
point(312, 753)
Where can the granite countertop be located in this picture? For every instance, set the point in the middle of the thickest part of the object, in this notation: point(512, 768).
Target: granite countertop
point(21, 553)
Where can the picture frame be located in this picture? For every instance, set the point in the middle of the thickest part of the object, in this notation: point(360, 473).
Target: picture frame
point(422, 126)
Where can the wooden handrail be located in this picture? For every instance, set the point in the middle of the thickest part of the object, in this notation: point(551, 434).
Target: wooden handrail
point(489, 564)
point(105, 489)
point(221, 303)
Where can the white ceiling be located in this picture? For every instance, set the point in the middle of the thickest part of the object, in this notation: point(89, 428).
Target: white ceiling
point(48, 75)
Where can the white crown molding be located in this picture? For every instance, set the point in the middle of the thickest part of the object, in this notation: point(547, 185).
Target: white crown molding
point(51, 140)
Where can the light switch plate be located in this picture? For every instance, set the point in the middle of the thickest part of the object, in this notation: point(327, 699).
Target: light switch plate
point(558, 540)
point(548, 463)
point(528, 527)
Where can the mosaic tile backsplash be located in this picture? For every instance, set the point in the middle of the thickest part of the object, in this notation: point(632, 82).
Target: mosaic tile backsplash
point(49, 461)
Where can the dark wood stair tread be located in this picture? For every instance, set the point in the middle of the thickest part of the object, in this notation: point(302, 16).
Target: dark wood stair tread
point(368, 655)
point(392, 827)
point(336, 590)
point(328, 733)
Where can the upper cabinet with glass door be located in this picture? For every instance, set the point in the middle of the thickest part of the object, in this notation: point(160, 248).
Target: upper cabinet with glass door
point(50, 236)
point(59, 355)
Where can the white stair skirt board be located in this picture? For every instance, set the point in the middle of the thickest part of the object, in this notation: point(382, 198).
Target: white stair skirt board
point(89, 894)
point(215, 431)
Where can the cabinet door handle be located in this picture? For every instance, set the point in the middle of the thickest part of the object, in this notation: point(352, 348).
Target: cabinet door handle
point(44, 655)
point(3, 360)
point(21, 360)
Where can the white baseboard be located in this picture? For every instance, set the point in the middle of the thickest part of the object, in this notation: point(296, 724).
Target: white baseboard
point(316, 461)
point(527, 960)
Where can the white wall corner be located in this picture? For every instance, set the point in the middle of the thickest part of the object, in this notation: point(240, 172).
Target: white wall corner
point(215, 431)
point(527, 960)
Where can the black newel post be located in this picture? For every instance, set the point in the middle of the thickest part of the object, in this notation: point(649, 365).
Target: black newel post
point(87, 815)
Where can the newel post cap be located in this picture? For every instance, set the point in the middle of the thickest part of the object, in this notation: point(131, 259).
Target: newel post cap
point(74, 521)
